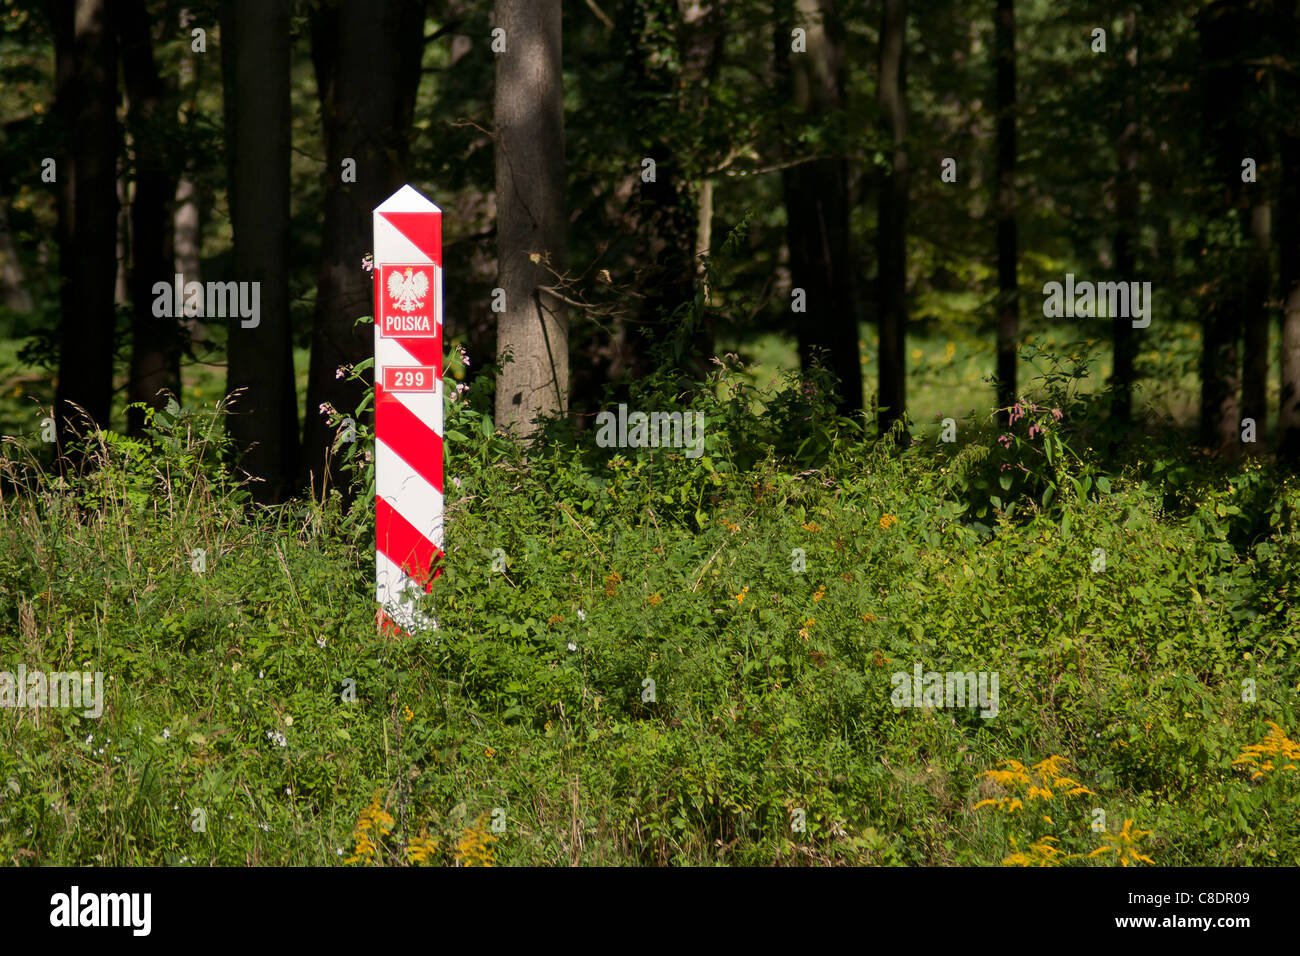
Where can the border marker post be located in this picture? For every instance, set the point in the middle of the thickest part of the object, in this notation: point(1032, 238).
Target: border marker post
point(408, 406)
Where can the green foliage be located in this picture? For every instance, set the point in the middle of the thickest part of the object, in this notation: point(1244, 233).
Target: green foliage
point(653, 675)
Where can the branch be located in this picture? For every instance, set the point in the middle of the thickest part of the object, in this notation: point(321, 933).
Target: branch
point(600, 14)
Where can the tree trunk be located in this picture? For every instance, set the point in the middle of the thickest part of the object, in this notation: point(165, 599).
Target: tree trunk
point(255, 60)
point(893, 215)
point(1126, 235)
point(1289, 232)
point(13, 288)
point(367, 115)
point(817, 206)
point(155, 342)
point(1221, 354)
point(1256, 216)
point(529, 120)
point(1008, 310)
point(667, 209)
point(86, 50)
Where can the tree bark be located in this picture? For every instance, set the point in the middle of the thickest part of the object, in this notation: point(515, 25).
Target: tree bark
point(367, 115)
point(264, 419)
point(817, 205)
point(1256, 218)
point(1220, 411)
point(1126, 235)
point(1289, 232)
point(1008, 310)
point(529, 119)
point(892, 226)
point(13, 288)
point(86, 52)
point(155, 342)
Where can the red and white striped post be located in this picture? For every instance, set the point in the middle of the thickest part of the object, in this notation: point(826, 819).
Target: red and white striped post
point(408, 405)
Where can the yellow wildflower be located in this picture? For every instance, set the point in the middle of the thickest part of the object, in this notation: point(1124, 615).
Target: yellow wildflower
point(1259, 757)
point(1124, 845)
point(373, 817)
point(475, 845)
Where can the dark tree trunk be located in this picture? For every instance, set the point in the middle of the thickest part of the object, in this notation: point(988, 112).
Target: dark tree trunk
point(367, 115)
point(86, 51)
point(1289, 232)
point(893, 214)
point(529, 118)
point(666, 211)
point(1008, 309)
point(155, 342)
point(1125, 344)
point(817, 206)
point(1257, 216)
point(255, 60)
point(1220, 412)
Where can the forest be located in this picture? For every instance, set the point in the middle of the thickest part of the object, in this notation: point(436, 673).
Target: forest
point(869, 432)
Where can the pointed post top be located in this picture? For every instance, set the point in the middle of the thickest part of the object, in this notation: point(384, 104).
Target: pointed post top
point(407, 199)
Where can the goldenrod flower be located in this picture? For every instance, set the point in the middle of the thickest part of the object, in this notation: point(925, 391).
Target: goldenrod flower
point(887, 521)
point(475, 845)
point(1124, 845)
point(1276, 745)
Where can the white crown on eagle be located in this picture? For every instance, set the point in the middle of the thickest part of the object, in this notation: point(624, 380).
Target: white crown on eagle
point(408, 290)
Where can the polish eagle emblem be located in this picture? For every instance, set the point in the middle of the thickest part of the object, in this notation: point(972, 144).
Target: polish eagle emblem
point(408, 289)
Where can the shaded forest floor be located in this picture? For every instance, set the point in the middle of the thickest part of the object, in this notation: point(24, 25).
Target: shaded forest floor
point(645, 658)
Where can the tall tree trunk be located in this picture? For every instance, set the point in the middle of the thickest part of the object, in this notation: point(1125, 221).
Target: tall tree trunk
point(187, 228)
point(187, 243)
point(1257, 215)
point(255, 59)
point(1008, 310)
point(155, 342)
point(1126, 235)
point(817, 205)
point(1289, 231)
point(1254, 383)
point(367, 114)
point(1220, 412)
point(86, 50)
point(893, 214)
point(666, 213)
point(529, 119)
point(13, 289)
